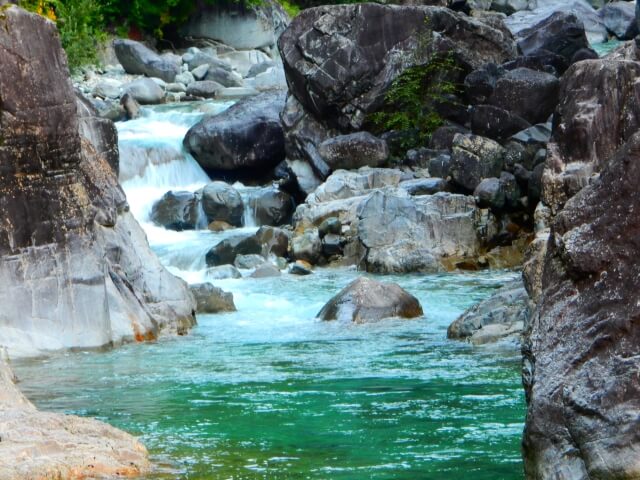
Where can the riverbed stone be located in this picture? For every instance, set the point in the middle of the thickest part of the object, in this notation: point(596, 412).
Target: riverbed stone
point(366, 300)
point(211, 299)
point(222, 202)
point(145, 91)
point(247, 262)
point(222, 272)
point(307, 246)
point(266, 270)
point(272, 207)
point(475, 158)
point(353, 151)
point(507, 307)
point(138, 59)
point(176, 210)
point(204, 88)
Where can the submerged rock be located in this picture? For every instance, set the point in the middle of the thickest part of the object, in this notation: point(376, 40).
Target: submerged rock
point(501, 315)
point(69, 247)
point(211, 299)
point(367, 300)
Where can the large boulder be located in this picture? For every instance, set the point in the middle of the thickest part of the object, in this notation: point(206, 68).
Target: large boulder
point(246, 137)
point(222, 202)
point(145, 91)
point(69, 247)
point(226, 251)
point(620, 19)
point(340, 60)
point(581, 355)
point(138, 59)
point(586, 19)
point(241, 26)
point(561, 33)
point(366, 300)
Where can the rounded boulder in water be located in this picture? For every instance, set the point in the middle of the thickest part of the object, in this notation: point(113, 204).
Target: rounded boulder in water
point(366, 300)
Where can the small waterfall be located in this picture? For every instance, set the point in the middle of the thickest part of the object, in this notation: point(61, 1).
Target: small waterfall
point(154, 161)
point(249, 196)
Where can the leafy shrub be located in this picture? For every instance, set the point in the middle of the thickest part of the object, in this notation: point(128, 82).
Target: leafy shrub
point(411, 102)
point(80, 23)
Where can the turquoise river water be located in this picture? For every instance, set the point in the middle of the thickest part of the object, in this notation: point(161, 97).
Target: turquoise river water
point(270, 392)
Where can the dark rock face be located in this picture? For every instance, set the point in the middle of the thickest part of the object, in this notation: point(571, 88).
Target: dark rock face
point(599, 110)
point(495, 122)
point(248, 136)
point(581, 358)
point(69, 248)
point(211, 299)
point(353, 151)
point(529, 94)
point(176, 211)
point(366, 300)
point(222, 202)
point(225, 252)
point(137, 59)
point(339, 60)
point(561, 33)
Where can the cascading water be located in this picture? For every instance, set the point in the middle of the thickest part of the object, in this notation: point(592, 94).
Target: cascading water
point(271, 392)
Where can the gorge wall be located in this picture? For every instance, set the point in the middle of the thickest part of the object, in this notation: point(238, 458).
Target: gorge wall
point(75, 267)
point(581, 354)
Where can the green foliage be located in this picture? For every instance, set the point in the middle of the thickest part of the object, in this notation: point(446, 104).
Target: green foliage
point(151, 16)
point(410, 104)
point(80, 23)
point(291, 8)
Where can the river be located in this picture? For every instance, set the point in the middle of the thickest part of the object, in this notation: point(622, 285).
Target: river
point(271, 392)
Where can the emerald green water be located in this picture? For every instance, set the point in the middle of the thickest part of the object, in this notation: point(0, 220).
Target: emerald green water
point(269, 392)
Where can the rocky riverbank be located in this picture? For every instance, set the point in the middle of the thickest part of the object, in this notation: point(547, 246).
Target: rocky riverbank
point(526, 166)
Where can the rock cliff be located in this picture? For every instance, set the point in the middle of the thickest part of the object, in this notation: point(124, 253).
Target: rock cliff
point(75, 267)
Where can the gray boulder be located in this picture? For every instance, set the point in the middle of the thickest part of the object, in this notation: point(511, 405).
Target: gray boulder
point(366, 300)
point(507, 308)
point(490, 194)
point(475, 158)
point(620, 19)
point(224, 77)
point(353, 151)
point(226, 251)
point(145, 91)
point(137, 59)
point(204, 89)
point(210, 299)
point(222, 202)
point(424, 186)
point(307, 246)
point(561, 33)
point(247, 262)
point(274, 241)
point(200, 72)
point(196, 58)
point(247, 136)
point(222, 272)
point(266, 270)
point(176, 211)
